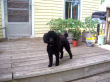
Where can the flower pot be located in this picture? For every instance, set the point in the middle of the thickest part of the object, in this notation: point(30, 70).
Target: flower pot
point(86, 35)
point(90, 41)
point(75, 43)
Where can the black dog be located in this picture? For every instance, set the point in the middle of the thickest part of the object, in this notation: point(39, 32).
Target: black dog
point(55, 46)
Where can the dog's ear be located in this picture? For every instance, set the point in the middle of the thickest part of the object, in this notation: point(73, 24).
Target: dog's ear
point(66, 34)
point(45, 38)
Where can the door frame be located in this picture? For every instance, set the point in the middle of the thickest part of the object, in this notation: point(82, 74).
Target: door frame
point(3, 19)
point(32, 6)
point(4, 31)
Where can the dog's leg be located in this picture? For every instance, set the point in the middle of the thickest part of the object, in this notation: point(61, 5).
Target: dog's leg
point(61, 53)
point(50, 60)
point(57, 59)
point(69, 52)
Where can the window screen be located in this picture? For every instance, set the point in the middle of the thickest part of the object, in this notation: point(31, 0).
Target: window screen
point(18, 10)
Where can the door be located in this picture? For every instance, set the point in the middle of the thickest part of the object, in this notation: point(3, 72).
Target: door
point(18, 18)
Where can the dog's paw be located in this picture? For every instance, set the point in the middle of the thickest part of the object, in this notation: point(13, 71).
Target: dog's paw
point(49, 65)
point(57, 64)
point(70, 57)
point(61, 57)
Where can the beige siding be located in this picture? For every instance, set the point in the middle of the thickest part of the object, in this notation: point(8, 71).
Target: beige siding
point(45, 10)
point(0, 21)
point(88, 7)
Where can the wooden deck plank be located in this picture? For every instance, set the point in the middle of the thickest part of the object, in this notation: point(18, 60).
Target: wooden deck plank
point(22, 63)
point(77, 63)
point(63, 61)
point(8, 65)
point(5, 70)
point(24, 54)
point(5, 77)
point(29, 57)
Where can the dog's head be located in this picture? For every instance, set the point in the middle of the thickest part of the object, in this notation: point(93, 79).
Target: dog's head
point(51, 37)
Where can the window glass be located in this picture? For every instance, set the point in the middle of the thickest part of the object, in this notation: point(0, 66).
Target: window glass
point(68, 10)
point(75, 12)
point(71, 9)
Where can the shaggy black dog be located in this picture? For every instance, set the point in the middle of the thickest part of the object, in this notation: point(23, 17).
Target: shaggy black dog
point(55, 46)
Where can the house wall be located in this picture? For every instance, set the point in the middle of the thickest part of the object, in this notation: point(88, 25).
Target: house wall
point(104, 5)
point(88, 7)
point(44, 11)
point(0, 21)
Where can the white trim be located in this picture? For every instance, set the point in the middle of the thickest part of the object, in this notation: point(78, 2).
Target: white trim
point(63, 9)
point(3, 18)
point(71, 10)
point(80, 10)
point(33, 34)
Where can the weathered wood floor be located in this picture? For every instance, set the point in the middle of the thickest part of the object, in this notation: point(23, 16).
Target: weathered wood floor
point(23, 58)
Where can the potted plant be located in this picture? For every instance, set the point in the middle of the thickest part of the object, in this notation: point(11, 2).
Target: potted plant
point(73, 24)
point(90, 30)
point(76, 33)
point(69, 27)
point(64, 26)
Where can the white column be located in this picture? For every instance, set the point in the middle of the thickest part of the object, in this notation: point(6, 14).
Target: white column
point(3, 18)
point(33, 19)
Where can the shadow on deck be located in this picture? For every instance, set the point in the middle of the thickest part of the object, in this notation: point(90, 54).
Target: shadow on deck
point(26, 60)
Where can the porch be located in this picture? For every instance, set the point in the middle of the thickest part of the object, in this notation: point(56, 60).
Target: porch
point(26, 60)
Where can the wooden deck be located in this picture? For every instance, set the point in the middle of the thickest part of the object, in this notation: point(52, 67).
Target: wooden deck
point(28, 57)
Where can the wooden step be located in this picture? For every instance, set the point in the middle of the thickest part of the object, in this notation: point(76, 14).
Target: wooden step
point(78, 68)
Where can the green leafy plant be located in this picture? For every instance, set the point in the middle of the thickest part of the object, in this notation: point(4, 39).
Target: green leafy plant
point(58, 25)
point(69, 24)
point(74, 24)
point(61, 25)
point(90, 25)
point(76, 33)
point(54, 24)
point(102, 1)
point(77, 24)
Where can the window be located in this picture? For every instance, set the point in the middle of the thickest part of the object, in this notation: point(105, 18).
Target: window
point(71, 9)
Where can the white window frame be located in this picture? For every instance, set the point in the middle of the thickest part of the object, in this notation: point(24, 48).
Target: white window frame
point(79, 10)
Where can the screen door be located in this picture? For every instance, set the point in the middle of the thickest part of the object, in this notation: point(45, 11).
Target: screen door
point(18, 18)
